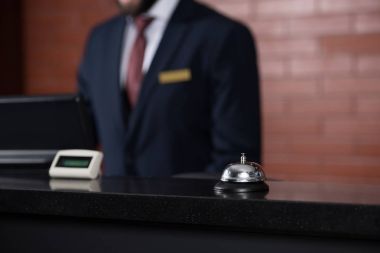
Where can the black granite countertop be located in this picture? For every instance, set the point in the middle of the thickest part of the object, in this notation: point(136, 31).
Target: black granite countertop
point(344, 210)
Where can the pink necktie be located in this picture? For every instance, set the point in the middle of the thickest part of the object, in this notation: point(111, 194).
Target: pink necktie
point(136, 59)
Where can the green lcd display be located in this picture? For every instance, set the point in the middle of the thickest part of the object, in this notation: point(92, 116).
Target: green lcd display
point(74, 161)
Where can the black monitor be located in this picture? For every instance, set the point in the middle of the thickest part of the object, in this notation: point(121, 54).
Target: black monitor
point(33, 128)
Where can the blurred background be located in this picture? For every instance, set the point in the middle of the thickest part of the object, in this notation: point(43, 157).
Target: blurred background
point(319, 62)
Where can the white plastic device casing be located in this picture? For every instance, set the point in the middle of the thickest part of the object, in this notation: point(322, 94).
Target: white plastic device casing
point(91, 172)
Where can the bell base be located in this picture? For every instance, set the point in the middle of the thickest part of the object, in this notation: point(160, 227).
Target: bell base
point(240, 187)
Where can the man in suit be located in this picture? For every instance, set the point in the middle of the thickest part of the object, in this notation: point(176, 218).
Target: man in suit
point(173, 88)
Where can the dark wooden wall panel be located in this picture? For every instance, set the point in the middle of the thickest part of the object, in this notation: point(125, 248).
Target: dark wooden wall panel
point(10, 47)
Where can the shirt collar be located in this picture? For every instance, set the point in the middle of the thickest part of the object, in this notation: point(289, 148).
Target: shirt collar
point(162, 9)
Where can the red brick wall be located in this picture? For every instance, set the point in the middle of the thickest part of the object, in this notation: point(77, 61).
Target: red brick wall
point(320, 67)
point(54, 37)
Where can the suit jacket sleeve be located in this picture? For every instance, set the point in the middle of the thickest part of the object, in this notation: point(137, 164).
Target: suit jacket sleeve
point(236, 124)
point(83, 85)
point(84, 67)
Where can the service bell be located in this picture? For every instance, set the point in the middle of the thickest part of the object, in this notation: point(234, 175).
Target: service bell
point(242, 177)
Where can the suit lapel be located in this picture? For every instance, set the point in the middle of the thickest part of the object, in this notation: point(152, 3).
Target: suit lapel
point(175, 31)
point(112, 55)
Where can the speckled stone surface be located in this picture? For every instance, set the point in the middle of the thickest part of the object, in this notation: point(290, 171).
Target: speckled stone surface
point(300, 208)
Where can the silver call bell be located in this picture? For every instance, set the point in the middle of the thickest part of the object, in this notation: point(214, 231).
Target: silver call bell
point(242, 177)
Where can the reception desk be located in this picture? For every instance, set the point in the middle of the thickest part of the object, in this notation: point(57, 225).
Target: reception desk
point(185, 215)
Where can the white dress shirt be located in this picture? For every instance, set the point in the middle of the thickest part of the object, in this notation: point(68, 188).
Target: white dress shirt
point(161, 11)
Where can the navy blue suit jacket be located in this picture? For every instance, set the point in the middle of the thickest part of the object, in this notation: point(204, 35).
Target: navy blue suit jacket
point(196, 125)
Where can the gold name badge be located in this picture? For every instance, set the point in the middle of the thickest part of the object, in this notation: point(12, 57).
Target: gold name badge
point(174, 76)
